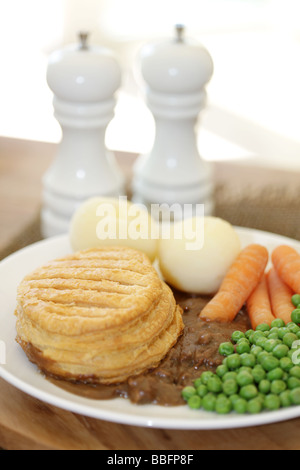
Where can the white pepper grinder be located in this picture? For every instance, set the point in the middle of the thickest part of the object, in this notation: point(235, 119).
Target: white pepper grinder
point(176, 73)
point(84, 80)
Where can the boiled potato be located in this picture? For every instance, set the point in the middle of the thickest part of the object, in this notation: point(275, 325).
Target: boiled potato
point(109, 221)
point(198, 254)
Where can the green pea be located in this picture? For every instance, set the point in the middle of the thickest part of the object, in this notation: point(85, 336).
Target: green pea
point(263, 327)
point(298, 335)
point(243, 347)
point(293, 382)
point(188, 392)
point(249, 333)
point(226, 349)
point(233, 362)
point(270, 363)
point(289, 339)
point(221, 371)
point(261, 341)
point(214, 385)
point(230, 376)
point(293, 328)
point(234, 398)
point(206, 376)
point(270, 344)
point(273, 335)
point(295, 396)
point(296, 316)
point(261, 397)
point(295, 372)
point(197, 382)
point(248, 392)
point(258, 374)
point(244, 369)
point(261, 356)
point(275, 374)
point(272, 402)
point(244, 378)
point(281, 350)
point(277, 387)
point(223, 406)
point(275, 329)
point(240, 406)
point(277, 323)
point(237, 335)
point(202, 390)
point(285, 399)
point(286, 364)
point(194, 402)
point(230, 387)
point(264, 387)
point(251, 337)
point(282, 332)
point(254, 406)
point(248, 360)
point(209, 402)
point(285, 376)
point(255, 350)
point(296, 300)
point(256, 335)
point(224, 363)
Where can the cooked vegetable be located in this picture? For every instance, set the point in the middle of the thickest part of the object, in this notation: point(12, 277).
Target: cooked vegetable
point(259, 305)
point(286, 261)
point(251, 383)
point(238, 284)
point(280, 296)
point(296, 300)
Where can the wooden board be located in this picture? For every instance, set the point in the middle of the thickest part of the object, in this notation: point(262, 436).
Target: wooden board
point(27, 423)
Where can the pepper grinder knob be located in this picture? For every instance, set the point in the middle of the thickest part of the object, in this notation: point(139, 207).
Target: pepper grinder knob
point(84, 80)
point(175, 74)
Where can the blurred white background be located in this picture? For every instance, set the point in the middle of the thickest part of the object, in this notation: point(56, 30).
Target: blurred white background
point(253, 111)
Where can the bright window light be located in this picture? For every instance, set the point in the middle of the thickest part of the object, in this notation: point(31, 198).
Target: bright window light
point(253, 98)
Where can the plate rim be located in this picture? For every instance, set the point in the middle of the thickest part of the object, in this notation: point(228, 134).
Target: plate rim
point(231, 421)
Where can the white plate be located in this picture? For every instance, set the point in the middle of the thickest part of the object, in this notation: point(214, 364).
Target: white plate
point(19, 372)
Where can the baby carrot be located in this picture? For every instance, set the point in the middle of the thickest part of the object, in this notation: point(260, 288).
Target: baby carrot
point(239, 282)
point(286, 261)
point(259, 305)
point(280, 296)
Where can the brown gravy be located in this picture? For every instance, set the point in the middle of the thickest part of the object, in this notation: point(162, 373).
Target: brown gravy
point(195, 352)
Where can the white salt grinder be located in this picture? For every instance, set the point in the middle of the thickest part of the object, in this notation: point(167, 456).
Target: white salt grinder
point(175, 73)
point(84, 80)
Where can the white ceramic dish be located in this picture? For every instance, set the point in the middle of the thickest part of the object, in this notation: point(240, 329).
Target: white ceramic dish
point(19, 372)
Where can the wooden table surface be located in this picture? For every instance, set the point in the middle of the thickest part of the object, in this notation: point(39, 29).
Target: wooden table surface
point(27, 423)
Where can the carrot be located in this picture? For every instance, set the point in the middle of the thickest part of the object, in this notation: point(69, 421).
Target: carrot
point(259, 305)
point(281, 297)
point(286, 261)
point(239, 282)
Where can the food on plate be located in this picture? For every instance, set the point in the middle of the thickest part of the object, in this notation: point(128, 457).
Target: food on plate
point(264, 379)
point(280, 296)
point(286, 261)
point(110, 221)
point(259, 305)
point(196, 350)
point(238, 284)
point(101, 323)
point(200, 270)
point(99, 316)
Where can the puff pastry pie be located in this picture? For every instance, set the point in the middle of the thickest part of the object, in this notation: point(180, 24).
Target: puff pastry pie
point(97, 316)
